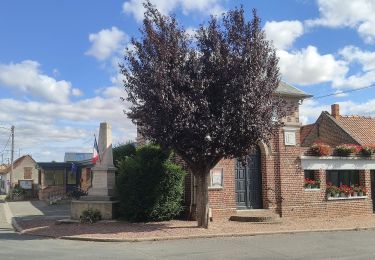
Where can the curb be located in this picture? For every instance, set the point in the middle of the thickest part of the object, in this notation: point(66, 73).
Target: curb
point(11, 219)
point(91, 239)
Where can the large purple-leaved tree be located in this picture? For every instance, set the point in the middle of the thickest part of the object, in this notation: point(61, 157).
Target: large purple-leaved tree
point(208, 96)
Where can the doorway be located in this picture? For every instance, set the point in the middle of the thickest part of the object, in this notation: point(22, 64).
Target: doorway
point(248, 182)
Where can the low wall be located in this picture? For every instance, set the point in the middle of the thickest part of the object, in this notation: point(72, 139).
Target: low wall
point(44, 193)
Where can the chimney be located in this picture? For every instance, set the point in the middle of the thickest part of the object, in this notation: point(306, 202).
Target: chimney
point(335, 110)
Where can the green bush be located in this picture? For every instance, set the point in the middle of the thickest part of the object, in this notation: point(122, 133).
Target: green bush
point(150, 186)
point(121, 151)
point(90, 216)
point(18, 191)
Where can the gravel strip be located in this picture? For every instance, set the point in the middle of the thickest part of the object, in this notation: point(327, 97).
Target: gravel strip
point(185, 229)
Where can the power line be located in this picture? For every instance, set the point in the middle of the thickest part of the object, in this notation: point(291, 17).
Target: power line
point(342, 92)
point(6, 144)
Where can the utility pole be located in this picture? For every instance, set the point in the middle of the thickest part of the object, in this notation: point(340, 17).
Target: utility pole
point(11, 160)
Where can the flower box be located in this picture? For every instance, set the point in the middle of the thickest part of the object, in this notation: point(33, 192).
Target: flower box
point(320, 149)
point(368, 150)
point(311, 184)
point(346, 150)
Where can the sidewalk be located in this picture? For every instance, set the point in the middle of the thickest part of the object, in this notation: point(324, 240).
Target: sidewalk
point(36, 209)
point(177, 229)
point(39, 218)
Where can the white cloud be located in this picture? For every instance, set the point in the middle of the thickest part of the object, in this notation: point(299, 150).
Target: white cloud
point(355, 54)
point(358, 14)
point(356, 81)
point(26, 77)
point(106, 42)
point(191, 32)
point(363, 109)
point(310, 110)
point(136, 8)
point(77, 92)
point(47, 130)
point(366, 75)
point(340, 94)
point(307, 66)
point(284, 33)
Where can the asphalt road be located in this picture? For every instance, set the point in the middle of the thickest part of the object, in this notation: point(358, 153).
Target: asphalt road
point(329, 245)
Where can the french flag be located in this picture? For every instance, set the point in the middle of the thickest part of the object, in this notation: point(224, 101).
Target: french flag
point(95, 155)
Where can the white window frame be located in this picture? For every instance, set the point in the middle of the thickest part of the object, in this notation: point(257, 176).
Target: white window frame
point(219, 172)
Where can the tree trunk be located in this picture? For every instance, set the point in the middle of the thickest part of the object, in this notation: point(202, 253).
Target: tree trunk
point(202, 199)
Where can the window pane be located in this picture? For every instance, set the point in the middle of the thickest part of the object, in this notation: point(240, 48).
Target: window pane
point(54, 177)
point(332, 177)
point(59, 177)
point(354, 178)
point(343, 177)
point(49, 178)
point(72, 177)
point(309, 174)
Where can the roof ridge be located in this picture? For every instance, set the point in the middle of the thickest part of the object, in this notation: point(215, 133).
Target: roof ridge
point(355, 138)
point(357, 116)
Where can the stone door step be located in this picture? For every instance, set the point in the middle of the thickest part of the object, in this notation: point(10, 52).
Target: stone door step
point(256, 216)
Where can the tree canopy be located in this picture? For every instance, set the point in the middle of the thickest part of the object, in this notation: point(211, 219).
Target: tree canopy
point(208, 96)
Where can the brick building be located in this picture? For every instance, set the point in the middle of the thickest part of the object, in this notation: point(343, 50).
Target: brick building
point(24, 172)
point(274, 178)
point(356, 169)
point(59, 178)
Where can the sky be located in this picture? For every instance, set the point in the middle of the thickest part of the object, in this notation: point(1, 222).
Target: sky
point(59, 60)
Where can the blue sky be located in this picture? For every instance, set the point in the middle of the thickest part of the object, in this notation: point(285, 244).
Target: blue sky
point(58, 62)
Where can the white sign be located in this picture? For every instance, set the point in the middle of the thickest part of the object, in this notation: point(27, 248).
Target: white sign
point(216, 177)
point(26, 184)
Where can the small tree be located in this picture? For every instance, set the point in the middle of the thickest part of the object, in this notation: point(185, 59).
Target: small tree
point(208, 97)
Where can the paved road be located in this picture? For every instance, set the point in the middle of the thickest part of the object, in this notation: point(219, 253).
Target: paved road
point(333, 245)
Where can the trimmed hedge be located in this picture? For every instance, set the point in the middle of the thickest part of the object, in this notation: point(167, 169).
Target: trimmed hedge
point(121, 151)
point(149, 185)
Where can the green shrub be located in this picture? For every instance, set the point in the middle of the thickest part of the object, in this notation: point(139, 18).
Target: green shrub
point(122, 151)
point(150, 186)
point(18, 192)
point(90, 216)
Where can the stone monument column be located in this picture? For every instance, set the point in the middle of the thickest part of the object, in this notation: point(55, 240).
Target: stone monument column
point(103, 182)
point(100, 195)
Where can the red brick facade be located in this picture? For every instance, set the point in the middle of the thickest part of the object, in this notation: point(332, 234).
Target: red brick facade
point(282, 174)
point(283, 189)
point(282, 177)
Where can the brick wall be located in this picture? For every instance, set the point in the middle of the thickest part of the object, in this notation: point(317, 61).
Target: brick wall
point(46, 192)
point(292, 111)
point(222, 200)
point(327, 131)
point(278, 167)
point(313, 203)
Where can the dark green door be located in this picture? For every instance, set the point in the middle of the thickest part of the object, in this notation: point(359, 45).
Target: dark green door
point(248, 182)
